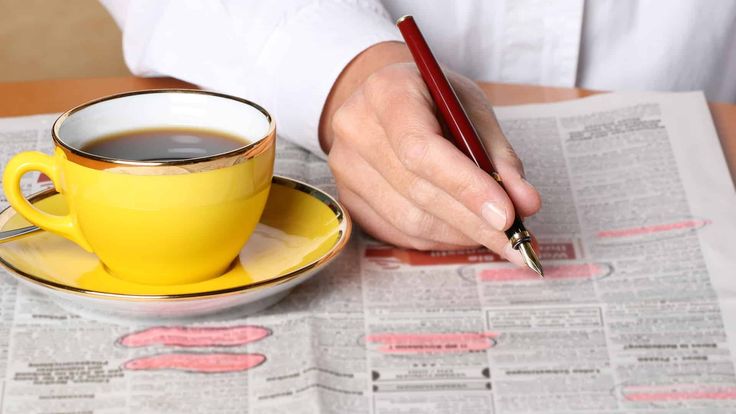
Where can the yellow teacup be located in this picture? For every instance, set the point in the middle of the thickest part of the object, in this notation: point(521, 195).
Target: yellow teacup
point(155, 222)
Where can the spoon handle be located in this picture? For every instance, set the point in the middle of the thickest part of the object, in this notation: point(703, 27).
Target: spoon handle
point(10, 235)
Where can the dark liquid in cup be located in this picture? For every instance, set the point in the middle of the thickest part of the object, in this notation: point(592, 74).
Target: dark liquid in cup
point(163, 144)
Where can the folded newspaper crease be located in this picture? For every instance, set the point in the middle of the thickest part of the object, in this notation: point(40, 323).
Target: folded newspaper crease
point(637, 313)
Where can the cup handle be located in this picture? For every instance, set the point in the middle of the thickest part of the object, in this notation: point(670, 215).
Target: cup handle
point(22, 163)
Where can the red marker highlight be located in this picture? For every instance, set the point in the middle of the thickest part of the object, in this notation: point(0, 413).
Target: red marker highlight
point(659, 228)
point(681, 392)
point(573, 271)
point(432, 343)
point(202, 363)
point(195, 336)
point(392, 257)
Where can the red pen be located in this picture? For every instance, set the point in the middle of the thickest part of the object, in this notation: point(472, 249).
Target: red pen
point(462, 131)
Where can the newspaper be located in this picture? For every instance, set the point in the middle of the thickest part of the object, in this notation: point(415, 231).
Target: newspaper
point(637, 313)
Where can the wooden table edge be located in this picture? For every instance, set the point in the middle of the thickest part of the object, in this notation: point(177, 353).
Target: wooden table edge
point(58, 95)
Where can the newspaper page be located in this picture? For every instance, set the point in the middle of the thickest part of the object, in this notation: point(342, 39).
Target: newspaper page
point(637, 313)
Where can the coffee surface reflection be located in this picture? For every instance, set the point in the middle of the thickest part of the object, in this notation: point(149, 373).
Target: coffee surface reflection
point(163, 144)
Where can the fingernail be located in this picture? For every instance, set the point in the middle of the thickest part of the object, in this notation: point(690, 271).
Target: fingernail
point(495, 216)
point(513, 255)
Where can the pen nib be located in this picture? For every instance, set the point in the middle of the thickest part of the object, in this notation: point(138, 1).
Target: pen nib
point(530, 258)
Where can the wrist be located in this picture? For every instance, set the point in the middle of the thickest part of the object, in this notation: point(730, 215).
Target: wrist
point(353, 75)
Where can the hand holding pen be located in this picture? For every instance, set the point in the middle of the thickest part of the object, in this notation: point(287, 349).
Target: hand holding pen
point(400, 178)
point(462, 131)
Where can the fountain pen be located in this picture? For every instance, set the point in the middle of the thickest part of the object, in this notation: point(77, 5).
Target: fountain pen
point(462, 131)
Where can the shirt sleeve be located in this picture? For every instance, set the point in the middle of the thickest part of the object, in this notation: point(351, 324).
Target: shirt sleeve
point(284, 55)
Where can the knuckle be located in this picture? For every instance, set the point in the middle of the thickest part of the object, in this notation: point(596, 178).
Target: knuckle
point(337, 166)
point(388, 75)
point(332, 163)
point(341, 121)
point(378, 82)
point(508, 155)
point(412, 152)
point(421, 192)
point(393, 83)
point(415, 222)
point(467, 187)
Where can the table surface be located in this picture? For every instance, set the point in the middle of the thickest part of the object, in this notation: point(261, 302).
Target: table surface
point(37, 97)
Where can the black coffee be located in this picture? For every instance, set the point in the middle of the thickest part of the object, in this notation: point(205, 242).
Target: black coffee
point(164, 144)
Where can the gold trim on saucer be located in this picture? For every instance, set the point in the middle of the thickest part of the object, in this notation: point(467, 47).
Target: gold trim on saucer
point(171, 167)
point(344, 231)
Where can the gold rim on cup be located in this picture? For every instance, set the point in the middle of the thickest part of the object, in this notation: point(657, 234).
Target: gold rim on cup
point(169, 167)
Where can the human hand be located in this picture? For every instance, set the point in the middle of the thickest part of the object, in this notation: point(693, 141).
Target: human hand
point(401, 180)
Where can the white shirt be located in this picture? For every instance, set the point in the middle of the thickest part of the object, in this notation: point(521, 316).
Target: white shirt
point(286, 54)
